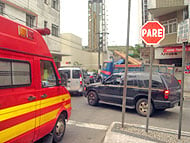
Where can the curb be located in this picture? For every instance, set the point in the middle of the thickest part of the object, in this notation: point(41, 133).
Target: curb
point(113, 137)
point(165, 130)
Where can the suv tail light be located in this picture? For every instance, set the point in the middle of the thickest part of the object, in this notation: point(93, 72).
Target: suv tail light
point(166, 93)
point(80, 79)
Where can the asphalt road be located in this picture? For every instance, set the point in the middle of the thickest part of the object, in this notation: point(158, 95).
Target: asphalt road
point(88, 124)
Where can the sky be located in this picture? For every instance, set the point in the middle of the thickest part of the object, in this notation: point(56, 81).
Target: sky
point(74, 19)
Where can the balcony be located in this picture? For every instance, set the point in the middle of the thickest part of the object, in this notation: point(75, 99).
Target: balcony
point(153, 4)
point(163, 7)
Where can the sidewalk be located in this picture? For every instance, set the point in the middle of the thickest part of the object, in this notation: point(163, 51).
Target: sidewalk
point(187, 96)
point(134, 133)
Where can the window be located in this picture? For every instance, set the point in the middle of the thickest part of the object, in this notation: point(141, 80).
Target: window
point(143, 81)
point(2, 6)
point(13, 73)
point(48, 77)
point(76, 74)
point(170, 80)
point(45, 24)
point(113, 79)
point(170, 26)
point(55, 30)
point(131, 80)
point(66, 72)
point(46, 1)
point(55, 4)
point(30, 20)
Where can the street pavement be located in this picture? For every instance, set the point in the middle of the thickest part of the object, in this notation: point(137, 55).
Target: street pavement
point(90, 124)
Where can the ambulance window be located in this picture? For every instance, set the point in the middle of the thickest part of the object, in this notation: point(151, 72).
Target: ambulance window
point(13, 73)
point(48, 76)
point(20, 73)
point(5, 73)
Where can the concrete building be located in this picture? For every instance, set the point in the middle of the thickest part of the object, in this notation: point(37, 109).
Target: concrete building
point(76, 55)
point(170, 13)
point(97, 26)
point(37, 14)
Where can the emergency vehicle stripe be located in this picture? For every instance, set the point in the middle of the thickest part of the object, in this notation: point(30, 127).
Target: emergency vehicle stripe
point(15, 111)
point(24, 127)
point(19, 119)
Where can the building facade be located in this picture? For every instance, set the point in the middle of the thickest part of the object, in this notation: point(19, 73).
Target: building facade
point(37, 14)
point(97, 26)
point(76, 55)
point(170, 13)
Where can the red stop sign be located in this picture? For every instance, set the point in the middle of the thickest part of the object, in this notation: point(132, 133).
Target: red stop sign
point(152, 32)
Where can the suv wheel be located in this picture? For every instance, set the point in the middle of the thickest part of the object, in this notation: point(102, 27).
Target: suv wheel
point(92, 98)
point(142, 107)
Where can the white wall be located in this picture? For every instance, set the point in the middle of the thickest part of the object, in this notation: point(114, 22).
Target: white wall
point(72, 46)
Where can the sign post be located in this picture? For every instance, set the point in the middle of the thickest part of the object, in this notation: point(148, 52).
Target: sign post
point(182, 37)
point(152, 33)
point(182, 90)
point(126, 67)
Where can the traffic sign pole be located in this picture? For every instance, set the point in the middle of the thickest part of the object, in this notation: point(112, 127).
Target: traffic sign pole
point(152, 32)
point(182, 90)
point(150, 88)
point(126, 67)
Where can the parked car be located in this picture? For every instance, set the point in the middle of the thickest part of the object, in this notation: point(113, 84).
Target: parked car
point(165, 91)
point(90, 77)
point(72, 78)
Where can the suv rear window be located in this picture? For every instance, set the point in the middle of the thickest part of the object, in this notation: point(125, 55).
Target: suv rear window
point(170, 80)
point(76, 74)
point(143, 81)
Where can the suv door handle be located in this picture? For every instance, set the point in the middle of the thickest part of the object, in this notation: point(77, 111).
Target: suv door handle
point(31, 98)
point(44, 96)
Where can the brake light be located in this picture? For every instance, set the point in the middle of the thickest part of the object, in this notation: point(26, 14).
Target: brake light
point(166, 93)
point(80, 79)
point(179, 81)
point(91, 76)
point(84, 88)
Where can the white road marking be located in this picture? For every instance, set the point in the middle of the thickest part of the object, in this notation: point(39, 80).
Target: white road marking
point(104, 127)
point(87, 125)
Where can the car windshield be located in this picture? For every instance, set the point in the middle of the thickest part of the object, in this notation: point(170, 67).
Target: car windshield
point(112, 77)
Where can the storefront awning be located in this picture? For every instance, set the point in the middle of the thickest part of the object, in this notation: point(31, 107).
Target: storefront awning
point(175, 49)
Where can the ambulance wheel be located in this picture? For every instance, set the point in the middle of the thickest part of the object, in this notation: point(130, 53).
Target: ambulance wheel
point(59, 129)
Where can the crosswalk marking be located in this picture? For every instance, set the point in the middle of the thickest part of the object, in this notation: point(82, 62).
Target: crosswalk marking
point(88, 125)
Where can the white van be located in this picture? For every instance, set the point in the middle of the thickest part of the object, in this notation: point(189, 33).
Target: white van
point(73, 79)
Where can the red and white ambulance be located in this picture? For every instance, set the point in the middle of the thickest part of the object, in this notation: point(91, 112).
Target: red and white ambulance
point(33, 102)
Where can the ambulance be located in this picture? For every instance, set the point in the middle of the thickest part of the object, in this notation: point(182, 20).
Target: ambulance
point(33, 101)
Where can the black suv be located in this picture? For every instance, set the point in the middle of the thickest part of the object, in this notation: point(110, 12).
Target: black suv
point(165, 91)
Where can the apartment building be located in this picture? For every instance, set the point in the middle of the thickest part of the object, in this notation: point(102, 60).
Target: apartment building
point(37, 14)
point(170, 13)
